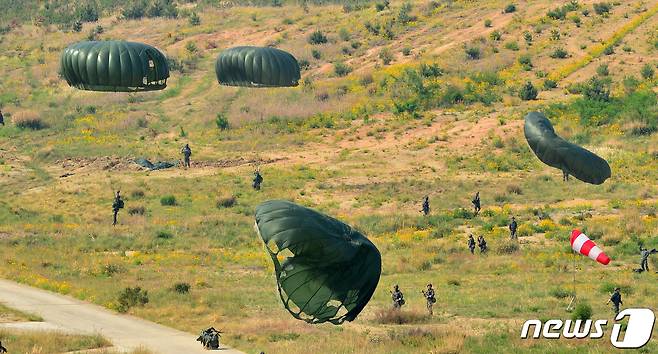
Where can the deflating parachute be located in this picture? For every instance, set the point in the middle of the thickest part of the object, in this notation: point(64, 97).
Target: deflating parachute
point(333, 269)
point(257, 67)
point(559, 153)
point(114, 66)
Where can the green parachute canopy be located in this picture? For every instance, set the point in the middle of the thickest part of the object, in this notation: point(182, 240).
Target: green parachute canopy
point(257, 67)
point(118, 66)
point(559, 153)
point(326, 271)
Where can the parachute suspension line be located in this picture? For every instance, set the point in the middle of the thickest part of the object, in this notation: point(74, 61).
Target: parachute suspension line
point(572, 303)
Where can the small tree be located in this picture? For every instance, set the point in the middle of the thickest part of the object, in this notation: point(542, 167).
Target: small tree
point(528, 92)
point(221, 121)
point(317, 37)
point(647, 72)
point(583, 312)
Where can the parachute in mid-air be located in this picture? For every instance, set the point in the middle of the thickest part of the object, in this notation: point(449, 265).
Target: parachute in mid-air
point(559, 153)
point(117, 66)
point(326, 271)
point(257, 67)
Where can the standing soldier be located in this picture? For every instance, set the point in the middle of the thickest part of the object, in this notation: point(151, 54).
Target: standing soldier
point(430, 297)
point(482, 243)
point(616, 301)
point(512, 228)
point(644, 263)
point(476, 203)
point(2, 349)
point(258, 179)
point(2, 121)
point(426, 206)
point(471, 244)
point(116, 205)
point(187, 152)
point(398, 297)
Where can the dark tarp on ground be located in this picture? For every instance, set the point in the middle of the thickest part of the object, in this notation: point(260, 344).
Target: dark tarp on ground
point(333, 270)
point(561, 154)
point(154, 166)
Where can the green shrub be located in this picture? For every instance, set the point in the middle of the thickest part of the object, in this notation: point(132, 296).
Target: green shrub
point(317, 37)
point(28, 120)
point(316, 54)
point(194, 19)
point(609, 50)
point(168, 200)
point(559, 53)
point(602, 70)
point(404, 16)
point(583, 312)
point(226, 202)
point(473, 53)
point(512, 45)
point(134, 10)
point(597, 89)
point(560, 293)
point(496, 35)
point(528, 92)
point(509, 9)
point(487, 23)
point(549, 84)
point(182, 288)
point(165, 235)
point(507, 247)
point(138, 210)
point(221, 121)
point(527, 36)
point(341, 69)
point(602, 8)
point(131, 297)
point(526, 61)
point(647, 71)
point(77, 26)
point(406, 51)
point(344, 34)
point(386, 56)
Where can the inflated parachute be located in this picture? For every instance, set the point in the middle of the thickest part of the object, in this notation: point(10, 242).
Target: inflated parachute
point(257, 67)
point(559, 153)
point(118, 66)
point(325, 270)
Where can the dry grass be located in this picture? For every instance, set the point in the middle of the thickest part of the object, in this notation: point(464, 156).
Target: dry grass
point(28, 120)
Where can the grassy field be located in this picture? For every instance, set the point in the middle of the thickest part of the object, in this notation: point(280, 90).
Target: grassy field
point(365, 147)
point(11, 315)
point(49, 342)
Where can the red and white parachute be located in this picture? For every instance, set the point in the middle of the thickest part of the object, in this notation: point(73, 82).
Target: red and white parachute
point(583, 245)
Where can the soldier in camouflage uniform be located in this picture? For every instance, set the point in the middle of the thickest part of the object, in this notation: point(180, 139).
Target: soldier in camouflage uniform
point(116, 205)
point(430, 297)
point(187, 152)
point(476, 203)
point(426, 206)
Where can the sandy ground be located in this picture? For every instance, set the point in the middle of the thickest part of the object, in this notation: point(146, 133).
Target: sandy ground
point(70, 315)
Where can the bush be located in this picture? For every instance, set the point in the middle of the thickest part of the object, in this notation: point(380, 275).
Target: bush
point(597, 90)
point(134, 10)
point(508, 247)
point(221, 121)
point(344, 34)
point(317, 37)
point(496, 35)
point(602, 70)
point(140, 210)
point(647, 71)
point(514, 189)
point(404, 14)
point(473, 53)
point(194, 20)
point(226, 202)
point(165, 235)
point(487, 23)
point(602, 8)
point(341, 69)
point(168, 200)
point(28, 120)
point(583, 312)
point(549, 84)
point(560, 293)
point(406, 51)
point(510, 8)
point(138, 193)
point(316, 54)
point(162, 8)
point(527, 36)
point(182, 288)
point(393, 316)
point(87, 13)
point(609, 50)
point(513, 45)
point(526, 61)
point(131, 297)
point(77, 26)
point(528, 92)
point(559, 53)
point(386, 56)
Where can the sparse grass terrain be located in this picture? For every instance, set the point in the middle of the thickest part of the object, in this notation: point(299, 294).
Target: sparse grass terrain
point(11, 315)
point(442, 116)
point(50, 342)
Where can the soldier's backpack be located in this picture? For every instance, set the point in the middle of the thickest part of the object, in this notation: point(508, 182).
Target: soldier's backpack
point(120, 204)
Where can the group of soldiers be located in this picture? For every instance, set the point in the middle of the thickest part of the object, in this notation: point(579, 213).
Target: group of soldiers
point(482, 244)
point(398, 298)
point(209, 338)
point(118, 203)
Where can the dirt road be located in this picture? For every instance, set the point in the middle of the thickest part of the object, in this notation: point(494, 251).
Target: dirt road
point(124, 331)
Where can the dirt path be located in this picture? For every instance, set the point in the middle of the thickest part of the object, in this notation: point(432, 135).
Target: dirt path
point(124, 331)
